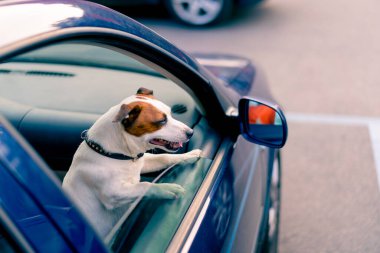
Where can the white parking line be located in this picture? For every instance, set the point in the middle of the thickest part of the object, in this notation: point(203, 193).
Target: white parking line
point(374, 131)
point(331, 119)
point(372, 123)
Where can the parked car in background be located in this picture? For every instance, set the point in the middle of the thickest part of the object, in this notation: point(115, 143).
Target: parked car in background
point(190, 12)
point(63, 63)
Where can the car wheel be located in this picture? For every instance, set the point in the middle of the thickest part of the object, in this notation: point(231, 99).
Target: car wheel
point(272, 230)
point(200, 12)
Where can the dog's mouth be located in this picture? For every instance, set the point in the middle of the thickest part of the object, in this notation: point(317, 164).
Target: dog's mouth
point(169, 145)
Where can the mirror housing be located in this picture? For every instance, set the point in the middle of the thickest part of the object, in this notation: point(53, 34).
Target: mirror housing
point(262, 123)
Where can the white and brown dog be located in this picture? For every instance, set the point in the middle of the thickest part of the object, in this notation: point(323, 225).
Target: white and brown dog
point(104, 176)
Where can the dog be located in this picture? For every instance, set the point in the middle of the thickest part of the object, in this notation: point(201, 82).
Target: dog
point(104, 176)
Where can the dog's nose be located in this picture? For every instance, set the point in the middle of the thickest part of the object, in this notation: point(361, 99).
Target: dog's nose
point(189, 133)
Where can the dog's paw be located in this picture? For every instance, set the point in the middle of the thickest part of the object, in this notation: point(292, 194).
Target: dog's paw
point(167, 191)
point(192, 156)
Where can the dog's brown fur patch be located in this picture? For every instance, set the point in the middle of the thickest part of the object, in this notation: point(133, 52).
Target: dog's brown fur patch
point(143, 118)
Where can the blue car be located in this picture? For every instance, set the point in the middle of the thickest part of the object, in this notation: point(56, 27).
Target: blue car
point(63, 63)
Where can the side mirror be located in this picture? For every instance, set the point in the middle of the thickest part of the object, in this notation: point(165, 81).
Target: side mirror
point(262, 123)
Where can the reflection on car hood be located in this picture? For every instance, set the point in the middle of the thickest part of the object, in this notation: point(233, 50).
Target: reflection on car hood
point(237, 72)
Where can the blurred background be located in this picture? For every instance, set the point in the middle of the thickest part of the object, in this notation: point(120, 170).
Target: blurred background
point(321, 59)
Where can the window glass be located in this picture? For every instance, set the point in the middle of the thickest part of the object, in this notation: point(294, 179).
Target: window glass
point(152, 223)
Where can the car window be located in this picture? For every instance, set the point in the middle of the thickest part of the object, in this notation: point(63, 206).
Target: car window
point(57, 86)
point(152, 223)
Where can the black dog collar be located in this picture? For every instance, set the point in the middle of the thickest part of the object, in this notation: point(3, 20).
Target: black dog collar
point(100, 150)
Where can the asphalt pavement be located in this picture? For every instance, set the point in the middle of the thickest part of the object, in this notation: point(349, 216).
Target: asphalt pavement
point(322, 60)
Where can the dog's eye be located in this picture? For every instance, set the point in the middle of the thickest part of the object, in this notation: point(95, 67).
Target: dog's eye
point(162, 121)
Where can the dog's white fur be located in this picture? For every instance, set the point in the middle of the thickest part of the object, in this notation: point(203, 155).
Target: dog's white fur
point(103, 187)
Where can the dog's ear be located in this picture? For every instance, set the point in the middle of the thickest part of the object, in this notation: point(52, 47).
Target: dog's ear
point(127, 112)
point(144, 92)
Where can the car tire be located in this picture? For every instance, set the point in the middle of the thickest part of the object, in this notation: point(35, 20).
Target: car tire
point(200, 12)
point(271, 239)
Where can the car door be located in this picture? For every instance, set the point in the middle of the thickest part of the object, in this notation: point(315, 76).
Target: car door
point(250, 168)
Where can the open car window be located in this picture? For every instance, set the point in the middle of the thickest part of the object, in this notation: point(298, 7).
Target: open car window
point(59, 91)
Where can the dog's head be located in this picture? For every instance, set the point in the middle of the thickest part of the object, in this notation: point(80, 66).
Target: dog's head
point(150, 122)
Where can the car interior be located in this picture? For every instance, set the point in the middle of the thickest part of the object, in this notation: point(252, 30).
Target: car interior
point(53, 94)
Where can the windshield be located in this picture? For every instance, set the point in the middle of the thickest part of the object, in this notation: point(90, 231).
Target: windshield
point(85, 55)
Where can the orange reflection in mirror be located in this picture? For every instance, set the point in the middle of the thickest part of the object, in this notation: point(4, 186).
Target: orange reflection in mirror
point(261, 114)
